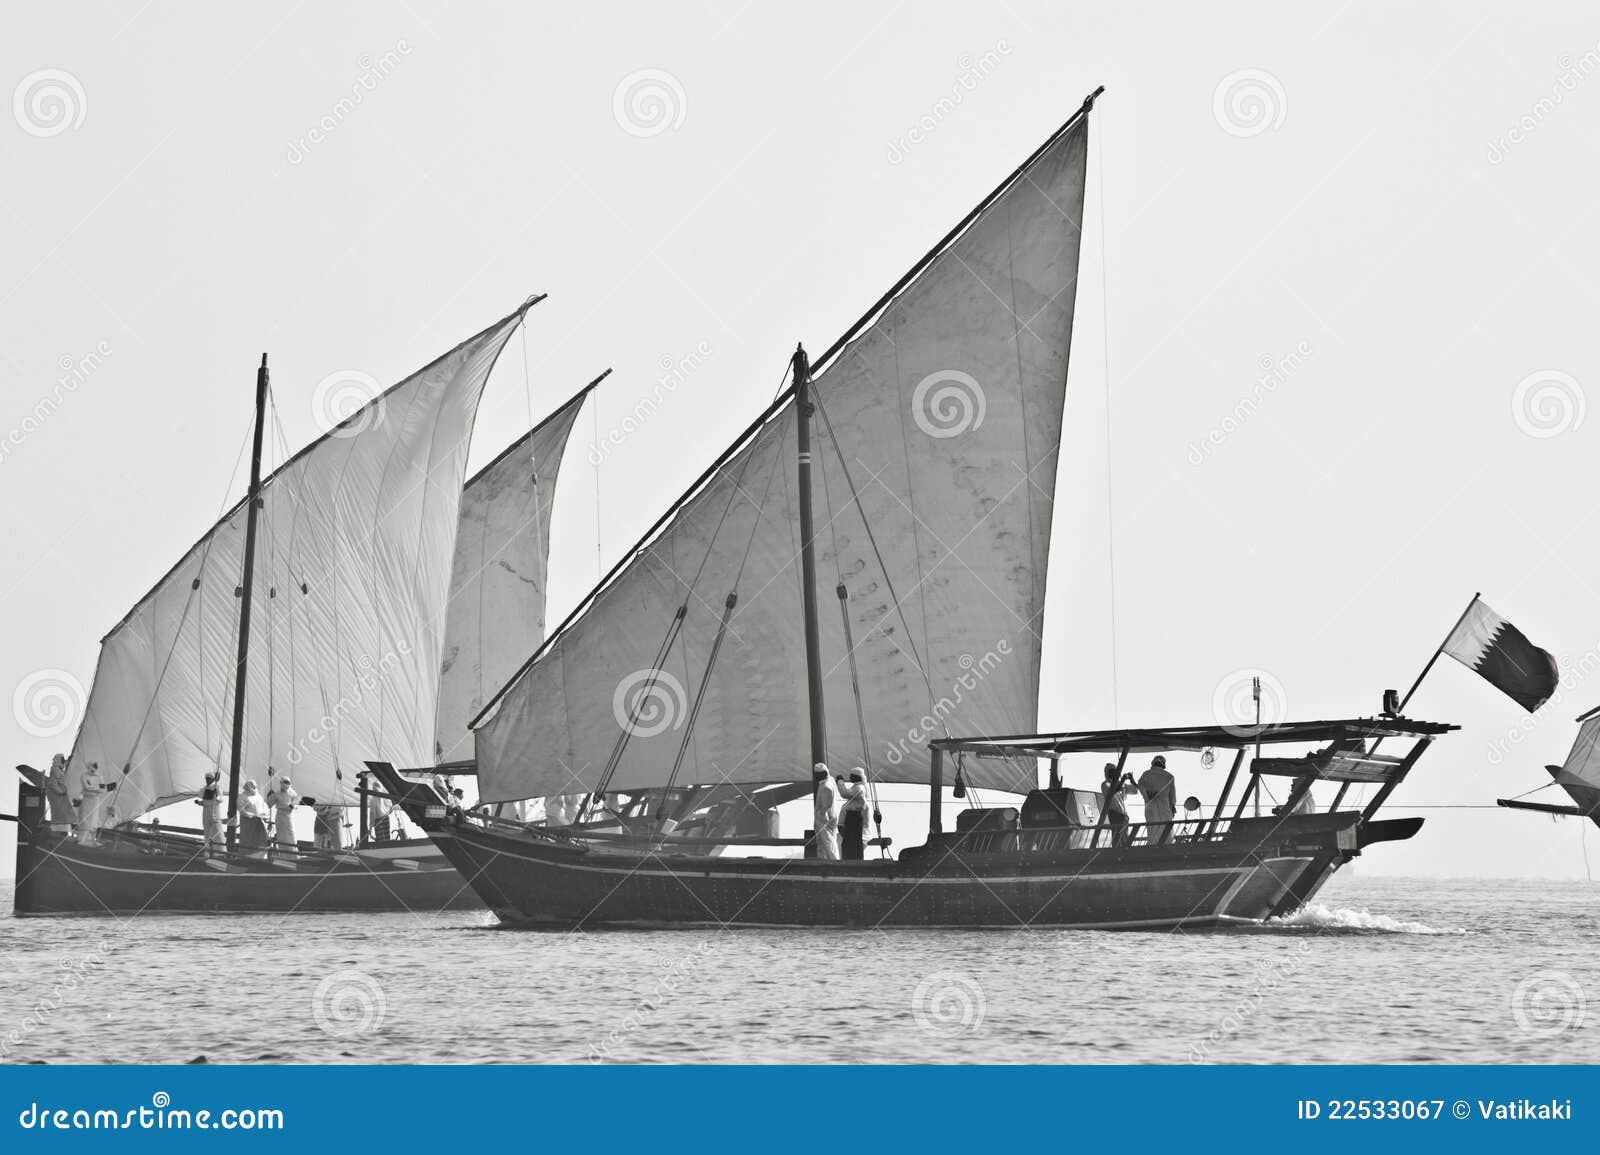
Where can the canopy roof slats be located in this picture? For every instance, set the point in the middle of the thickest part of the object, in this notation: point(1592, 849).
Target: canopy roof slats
point(1191, 737)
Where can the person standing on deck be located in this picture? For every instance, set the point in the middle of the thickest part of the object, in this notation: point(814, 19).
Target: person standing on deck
point(252, 820)
point(328, 832)
point(826, 803)
point(853, 816)
point(55, 789)
point(1160, 792)
point(210, 803)
point(1113, 813)
point(285, 799)
point(94, 792)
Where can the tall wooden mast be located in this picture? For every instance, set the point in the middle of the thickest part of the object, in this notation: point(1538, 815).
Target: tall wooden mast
point(252, 508)
point(808, 558)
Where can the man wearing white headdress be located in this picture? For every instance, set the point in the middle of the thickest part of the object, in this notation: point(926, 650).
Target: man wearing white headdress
point(853, 816)
point(94, 793)
point(55, 790)
point(284, 798)
point(826, 802)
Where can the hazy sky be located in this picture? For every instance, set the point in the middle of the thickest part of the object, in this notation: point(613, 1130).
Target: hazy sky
point(1392, 209)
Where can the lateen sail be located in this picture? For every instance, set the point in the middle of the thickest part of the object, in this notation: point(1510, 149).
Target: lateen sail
point(1579, 775)
point(496, 613)
point(945, 416)
point(353, 566)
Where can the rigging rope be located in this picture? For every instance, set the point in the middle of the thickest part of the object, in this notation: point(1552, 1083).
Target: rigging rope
point(1105, 354)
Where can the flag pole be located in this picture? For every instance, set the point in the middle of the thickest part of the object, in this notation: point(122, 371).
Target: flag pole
point(1402, 708)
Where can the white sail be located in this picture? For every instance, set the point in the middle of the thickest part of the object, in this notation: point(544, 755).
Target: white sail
point(496, 614)
point(1579, 775)
point(946, 416)
point(353, 562)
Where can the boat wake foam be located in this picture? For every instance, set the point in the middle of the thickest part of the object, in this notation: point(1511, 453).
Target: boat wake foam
point(1317, 916)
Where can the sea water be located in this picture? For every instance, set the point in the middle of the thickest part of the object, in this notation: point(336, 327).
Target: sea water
point(1377, 970)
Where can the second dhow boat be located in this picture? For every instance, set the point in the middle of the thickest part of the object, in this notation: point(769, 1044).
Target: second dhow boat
point(705, 657)
point(331, 578)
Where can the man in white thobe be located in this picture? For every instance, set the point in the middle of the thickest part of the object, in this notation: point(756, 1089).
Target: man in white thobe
point(1159, 789)
point(827, 813)
point(94, 793)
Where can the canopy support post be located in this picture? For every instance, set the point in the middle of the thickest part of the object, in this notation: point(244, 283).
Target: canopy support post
point(1227, 787)
point(935, 790)
point(252, 508)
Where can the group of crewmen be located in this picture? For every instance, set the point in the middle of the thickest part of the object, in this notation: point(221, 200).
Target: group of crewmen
point(90, 814)
point(841, 813)
point(1156, 786)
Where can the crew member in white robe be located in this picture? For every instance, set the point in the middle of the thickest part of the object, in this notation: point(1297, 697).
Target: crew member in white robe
point(210, 803)
point(827, 813)
point(253, 820)
point(55, 791)
point(329, 826)
point(853, 816)
point(1159, 789)
point(285, 798)
point(94, 793)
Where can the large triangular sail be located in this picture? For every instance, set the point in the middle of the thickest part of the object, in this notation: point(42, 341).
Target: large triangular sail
point(934, 465)
point(496, 614)
point(353, 566)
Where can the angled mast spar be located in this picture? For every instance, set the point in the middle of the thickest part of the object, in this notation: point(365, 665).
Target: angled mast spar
point(246, 588)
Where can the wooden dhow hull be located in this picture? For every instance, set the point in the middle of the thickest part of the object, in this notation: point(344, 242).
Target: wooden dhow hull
point(1266, 868)
point(138, 875)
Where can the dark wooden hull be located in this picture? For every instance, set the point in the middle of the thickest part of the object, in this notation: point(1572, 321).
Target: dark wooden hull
point(128, 875)
point(1269, 868)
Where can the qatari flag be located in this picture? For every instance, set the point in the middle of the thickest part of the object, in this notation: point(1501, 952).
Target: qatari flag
point(1487, 643)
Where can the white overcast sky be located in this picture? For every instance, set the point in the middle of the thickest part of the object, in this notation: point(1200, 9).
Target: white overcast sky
point(1408, 209)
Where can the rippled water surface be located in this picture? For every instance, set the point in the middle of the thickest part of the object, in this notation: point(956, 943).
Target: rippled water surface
point(1381, 969)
